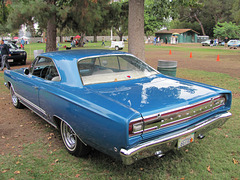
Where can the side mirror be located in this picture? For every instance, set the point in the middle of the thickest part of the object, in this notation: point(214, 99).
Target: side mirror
point(26, 71)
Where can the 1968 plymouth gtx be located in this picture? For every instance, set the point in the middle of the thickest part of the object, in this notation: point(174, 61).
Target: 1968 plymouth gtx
point(116, 103)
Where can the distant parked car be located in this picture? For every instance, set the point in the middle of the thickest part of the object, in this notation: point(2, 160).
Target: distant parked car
point(18, 56)
point(233, 43)
point(206, 43)
point(118, 45)
point(221, 43)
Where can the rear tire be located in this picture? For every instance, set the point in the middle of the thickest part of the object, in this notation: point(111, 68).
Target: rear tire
point(15, 100)
point(71, 141)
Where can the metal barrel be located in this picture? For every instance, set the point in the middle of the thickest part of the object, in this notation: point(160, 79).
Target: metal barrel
point(168, 68)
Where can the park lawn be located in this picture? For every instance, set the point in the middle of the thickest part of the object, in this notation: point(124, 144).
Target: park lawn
point(195, 48)
point(217, 156)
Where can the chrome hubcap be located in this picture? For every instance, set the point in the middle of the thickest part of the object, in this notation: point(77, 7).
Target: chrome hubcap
point(69, 137)
point(14, 97)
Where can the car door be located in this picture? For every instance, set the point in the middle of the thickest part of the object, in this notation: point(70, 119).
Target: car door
point(33, 83)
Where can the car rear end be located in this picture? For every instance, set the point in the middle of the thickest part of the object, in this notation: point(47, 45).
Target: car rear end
point(175, 128)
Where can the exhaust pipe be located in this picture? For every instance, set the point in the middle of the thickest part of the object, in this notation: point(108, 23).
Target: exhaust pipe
point(201, 136)
point(159, 154)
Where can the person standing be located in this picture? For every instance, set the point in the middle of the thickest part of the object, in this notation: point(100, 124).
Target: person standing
point(103, 41)
point(166, 40)
point(22, 43)
point(225, 42)
point(211, 42)
point(5, 53)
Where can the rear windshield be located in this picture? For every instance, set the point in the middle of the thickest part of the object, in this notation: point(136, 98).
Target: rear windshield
point(115, 68)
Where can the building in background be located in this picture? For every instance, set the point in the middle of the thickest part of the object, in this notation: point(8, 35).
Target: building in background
point(175, 36)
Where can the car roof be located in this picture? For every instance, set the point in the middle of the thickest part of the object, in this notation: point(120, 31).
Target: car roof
point(80, 53)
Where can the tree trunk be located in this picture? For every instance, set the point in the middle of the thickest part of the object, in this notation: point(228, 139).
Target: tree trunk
point(200, 23)
point(95, 38)
point(51, 32)
point(136, 28)
point(81, 40)
point(120, 34)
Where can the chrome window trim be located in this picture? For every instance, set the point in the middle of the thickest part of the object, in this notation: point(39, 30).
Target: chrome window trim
point(53, 63)
point(106, 55)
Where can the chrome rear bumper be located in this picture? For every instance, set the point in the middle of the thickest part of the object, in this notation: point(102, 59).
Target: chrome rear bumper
point(165, 143)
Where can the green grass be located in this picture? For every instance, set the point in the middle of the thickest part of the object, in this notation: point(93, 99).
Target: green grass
point(209, 158)
point(195, 48)
point(29, 48)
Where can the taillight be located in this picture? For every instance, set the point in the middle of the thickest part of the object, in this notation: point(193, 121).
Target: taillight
point(135, 127)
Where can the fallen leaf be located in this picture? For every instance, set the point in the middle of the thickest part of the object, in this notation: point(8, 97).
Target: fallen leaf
point(77, 175)
point(17, 172)
point(3, 137)
point(235, 161)
point(17, 162)
point(208, 169)
point(57, 160)
point(5, 170)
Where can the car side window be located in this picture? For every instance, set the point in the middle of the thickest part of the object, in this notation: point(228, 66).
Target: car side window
point(45, 68)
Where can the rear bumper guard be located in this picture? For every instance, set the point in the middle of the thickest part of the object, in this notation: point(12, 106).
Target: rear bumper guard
point(165, 143)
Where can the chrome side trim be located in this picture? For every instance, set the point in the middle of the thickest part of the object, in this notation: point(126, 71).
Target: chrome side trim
point(31, 104)
point(54, 125)
point(167, 142)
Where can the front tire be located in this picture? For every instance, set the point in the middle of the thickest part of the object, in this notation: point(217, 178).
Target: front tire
point(72, 142)
point(15, 100)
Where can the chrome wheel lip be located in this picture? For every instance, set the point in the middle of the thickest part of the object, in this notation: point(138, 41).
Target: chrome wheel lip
point(69, 137)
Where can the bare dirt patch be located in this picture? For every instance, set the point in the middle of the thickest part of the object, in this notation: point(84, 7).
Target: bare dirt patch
point(21, 126)
point(226, 64)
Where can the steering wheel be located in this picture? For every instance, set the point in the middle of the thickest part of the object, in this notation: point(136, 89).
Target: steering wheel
point(43, 72)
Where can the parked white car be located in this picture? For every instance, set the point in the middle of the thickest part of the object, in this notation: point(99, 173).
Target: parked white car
point(118, 45)
point(206, 43)
point(233, 43)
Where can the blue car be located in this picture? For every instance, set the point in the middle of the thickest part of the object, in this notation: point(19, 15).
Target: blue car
point(117, 104)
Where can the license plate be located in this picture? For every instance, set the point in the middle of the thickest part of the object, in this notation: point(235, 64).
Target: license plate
point(185, 140)
point(10, 60)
